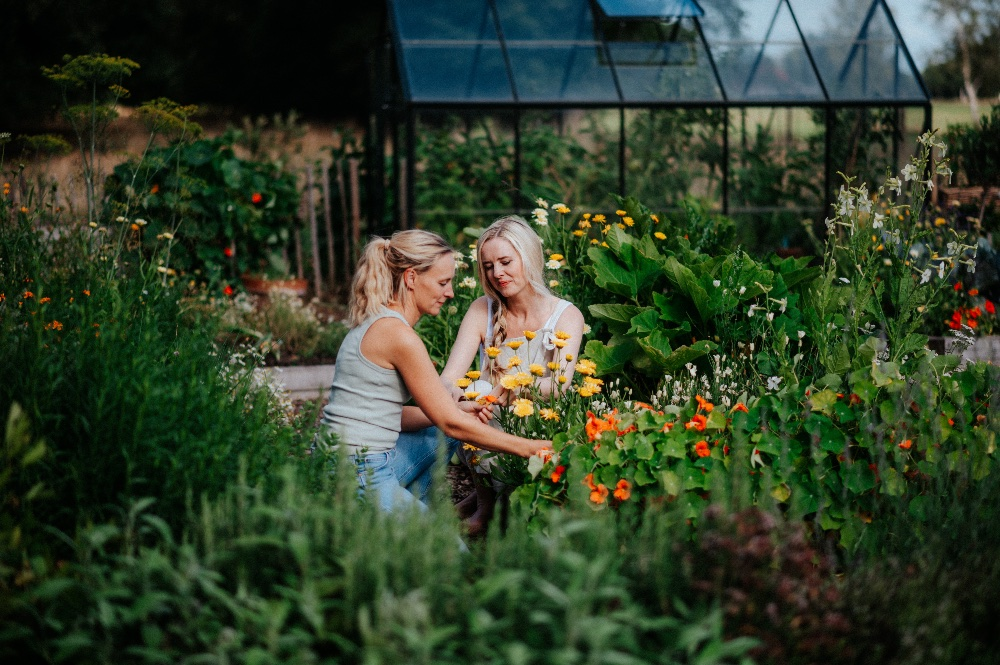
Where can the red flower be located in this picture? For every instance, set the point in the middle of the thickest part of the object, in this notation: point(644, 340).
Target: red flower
point(698, 422)
point(958, 286)
point(256, 198)
point(623, 490)
point(990, 307)
point(701, 449)
point(557, 473)
point(154, 189)
point(907, 444)
point(228, 290)
point(228, 251)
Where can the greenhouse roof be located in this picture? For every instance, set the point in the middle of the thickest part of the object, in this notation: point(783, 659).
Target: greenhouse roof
point(641, 53)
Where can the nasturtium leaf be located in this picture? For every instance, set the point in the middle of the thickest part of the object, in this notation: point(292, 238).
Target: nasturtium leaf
point(823, 401)
point(673, 447)
point(893, 483)
point(535, 464)
point(643, 476)
point(780, 492)
point(858, 478)
point(644, 449)
point(671, 482)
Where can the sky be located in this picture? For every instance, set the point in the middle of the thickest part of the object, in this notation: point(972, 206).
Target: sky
point(921, 31)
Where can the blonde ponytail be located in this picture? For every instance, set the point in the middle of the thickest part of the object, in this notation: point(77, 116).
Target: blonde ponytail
point(378, 279)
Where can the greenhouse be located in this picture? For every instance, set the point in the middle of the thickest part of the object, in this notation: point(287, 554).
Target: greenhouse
point(750, 106)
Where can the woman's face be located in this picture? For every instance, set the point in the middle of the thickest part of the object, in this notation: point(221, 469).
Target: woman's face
point(503, 266)
point(432, 288)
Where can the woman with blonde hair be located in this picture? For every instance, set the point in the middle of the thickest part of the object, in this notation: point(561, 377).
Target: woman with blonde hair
point(517, 318)
point(382, 363)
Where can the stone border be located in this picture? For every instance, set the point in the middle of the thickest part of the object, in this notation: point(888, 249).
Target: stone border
point(304, 382)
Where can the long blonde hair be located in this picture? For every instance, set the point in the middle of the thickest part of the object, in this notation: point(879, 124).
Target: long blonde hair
point(378, 279)
point(515, 230)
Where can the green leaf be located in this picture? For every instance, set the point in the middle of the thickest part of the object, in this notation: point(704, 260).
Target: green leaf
point(859, 478)
point(823, 401)
point(626, 274)
point(612, 359)
point(618, 317)
point(644, 449)
point(671, 482)
point(657, 348)
point(686, 282)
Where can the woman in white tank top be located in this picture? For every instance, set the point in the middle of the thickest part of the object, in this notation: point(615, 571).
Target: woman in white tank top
point(517, 301)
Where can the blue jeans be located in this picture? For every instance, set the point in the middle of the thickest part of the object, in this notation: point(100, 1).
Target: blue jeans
point(401, 477)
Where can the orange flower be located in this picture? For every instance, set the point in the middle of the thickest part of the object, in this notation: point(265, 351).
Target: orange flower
point(973, 292)
point(990, 307)
point(596, 425)
point(154, 189)
point(958, 286)
point(228, 290)
point(228, 251)
point(697, 422)
point(256, 198)
point(740, 406)
point(704, 405)
point(667, 427)
point(599, 495)
point(588, 480)
point(557, 473)
point(907, 444)
point(623, 490)
point(44, 300)
point(701, 449)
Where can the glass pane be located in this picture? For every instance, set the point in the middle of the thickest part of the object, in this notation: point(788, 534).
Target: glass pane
point(443, 19)
point(457, 73)
point(550, 20)
point(665, 71)
point(649, 8)
point(561, 74)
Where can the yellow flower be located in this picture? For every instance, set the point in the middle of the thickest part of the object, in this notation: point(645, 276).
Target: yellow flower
point(471, 395)
point(621, 226)
point(599, 219)
point(593, 241)
point(509, 382)
point(492, 351)
point(556, 257)
point(569, 357)
point(620, 213)
point(585, 391)
point(584, 223)
point(562, 379)
point(594, 382)
point(514, 343)
point(523, 379)
point(468, 446)
point(553, 283)
point(529, 334)
point(553, 365)
point(586, 367)
point(474, 374)
point(660, 235)
point(656, 220)
point(513, 362)
point(537, 370)
point(463, 382)
point(548, 414)
point(578, 233)
point(586, 215)
point(562, 335)
point(628, 221)
point(559, 343)
point(940, 221)
point(562, 209)
point(605, 229)
point(523, 408)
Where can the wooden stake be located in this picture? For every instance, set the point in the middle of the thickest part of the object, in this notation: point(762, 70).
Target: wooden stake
point(313, 230)
point(353, 167)
point(343, 209)
point(328, 222)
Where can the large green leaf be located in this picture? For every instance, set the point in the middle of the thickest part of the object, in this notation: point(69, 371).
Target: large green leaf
point(622, 269)
point(657, 347)
point(611, 359)
point(688, 284)
point(618, 317)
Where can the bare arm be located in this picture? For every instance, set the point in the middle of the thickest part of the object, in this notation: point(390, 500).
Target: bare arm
point(466, 346)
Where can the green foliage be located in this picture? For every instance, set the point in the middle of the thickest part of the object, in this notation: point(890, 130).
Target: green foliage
point(223, 215)
point(976, 150)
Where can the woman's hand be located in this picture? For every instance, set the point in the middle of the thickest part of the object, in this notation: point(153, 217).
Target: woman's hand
point(482, 411)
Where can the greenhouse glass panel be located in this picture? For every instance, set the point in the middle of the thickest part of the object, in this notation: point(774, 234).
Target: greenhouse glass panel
point(443, 19)
point(545, 20)
point(650, 8)
point(555, 73)
point(468, 73)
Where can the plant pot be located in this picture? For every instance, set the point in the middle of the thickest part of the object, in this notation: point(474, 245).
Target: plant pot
point(264, 286)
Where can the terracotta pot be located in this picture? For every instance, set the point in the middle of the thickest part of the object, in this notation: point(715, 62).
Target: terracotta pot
point(264, 286)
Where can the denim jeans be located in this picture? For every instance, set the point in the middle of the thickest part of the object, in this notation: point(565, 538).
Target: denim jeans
point(416, 453)
point(401, 477)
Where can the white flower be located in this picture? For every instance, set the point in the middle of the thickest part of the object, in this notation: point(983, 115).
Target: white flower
point(743, 290)
point(770, 316)
point(802, 333)
point(750, 311)
point(925, 276)
point(910, 172)
point(940, 270)
point(542, 203)
point(877, 220)
point(756, 459)
point(845, 280)
point(541, 216)
point(586, 329)
point(773, 382)
point(552, 264)
point(894, 184)
point(468, 283)
point(716, 283)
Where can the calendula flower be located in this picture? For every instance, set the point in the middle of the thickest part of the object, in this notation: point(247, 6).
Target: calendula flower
point(584, 390)
point(515, 344)
point(623, 490)
point(578, 233)
point(656, 220)
point(541, 203)
point(562, 335)
point(523, 379)
point(660, 235)
point(541, 216)
point(628, 221)
point(474, 374)
point(509, 382)
point(471, 395)
point(529, 334)
point(548, 414)
point(463, 383)
point(553, 365)
point(586, 367)
point(701, 449)
point(561, 208)
point(523, 408)
point(553, 283)
point(562, 379)
point(599, 218)
point(537, 370)
point(492, 352)
point(514, 361)
point(620, 213)
point(559, 343)
point(569, 357)
point(593, 382)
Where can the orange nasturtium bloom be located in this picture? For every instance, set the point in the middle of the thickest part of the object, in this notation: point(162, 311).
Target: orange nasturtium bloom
point(256, 198)
point(595, 426)
point(698, 422)
point(907, 444)
point(701, 449)
point(557, 473)
point(623, 490)
point(704, 405)
point(740, 406)
point(598, 492)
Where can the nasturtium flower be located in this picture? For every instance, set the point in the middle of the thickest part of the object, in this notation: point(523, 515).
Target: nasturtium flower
point(704, 405)
point(537, 370)
point(474, 374)
point(599, 495)
point(514, 344)
point(907, 444)
point(492, 351)
point(523, 407)
point(464, 382)
point(557, 473)
point(623, 490)
point(697, 422)
point(548, 414)
point(701, 449)
point(740, 406)
point(256, 198)
point(586, 367)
